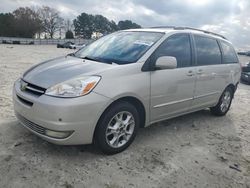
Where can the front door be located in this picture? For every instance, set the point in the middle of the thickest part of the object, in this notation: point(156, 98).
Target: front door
point(172, 89)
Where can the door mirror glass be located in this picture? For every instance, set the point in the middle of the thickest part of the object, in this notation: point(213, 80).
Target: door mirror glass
point(166, 62)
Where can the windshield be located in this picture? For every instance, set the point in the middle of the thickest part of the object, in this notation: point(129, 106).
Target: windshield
point(121, 47)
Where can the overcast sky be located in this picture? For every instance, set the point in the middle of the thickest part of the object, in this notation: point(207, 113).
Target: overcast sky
point(228, 17)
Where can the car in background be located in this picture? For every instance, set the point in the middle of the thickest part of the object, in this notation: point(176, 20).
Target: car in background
point(242, 53)
point(72, 46)
point(69, 45)
point(247, 53)
point(245, 74)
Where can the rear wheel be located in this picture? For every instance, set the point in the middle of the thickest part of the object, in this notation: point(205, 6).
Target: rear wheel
point(117, 128)
point(224, 103)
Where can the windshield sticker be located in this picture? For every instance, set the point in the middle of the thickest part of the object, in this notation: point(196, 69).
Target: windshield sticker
point(145, 43)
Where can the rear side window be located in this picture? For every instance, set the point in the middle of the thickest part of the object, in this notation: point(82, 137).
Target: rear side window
point(177, 46)
point(207, 50)
point(228, 53)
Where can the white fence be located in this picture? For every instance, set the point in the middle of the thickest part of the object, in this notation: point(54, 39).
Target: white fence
point(15, 40)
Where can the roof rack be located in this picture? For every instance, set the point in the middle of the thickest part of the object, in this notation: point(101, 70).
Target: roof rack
point(190, 28)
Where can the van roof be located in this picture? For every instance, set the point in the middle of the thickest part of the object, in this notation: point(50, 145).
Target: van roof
point(167, 29)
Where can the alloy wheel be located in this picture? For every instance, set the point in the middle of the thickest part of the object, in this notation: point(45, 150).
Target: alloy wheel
point(120, 129)
point(225, 101)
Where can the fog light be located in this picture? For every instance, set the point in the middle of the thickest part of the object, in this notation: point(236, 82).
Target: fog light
point(58, 134)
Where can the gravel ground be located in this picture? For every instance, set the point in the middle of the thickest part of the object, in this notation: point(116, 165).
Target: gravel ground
point(195, 150)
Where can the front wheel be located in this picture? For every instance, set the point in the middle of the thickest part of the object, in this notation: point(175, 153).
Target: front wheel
point(224, 103)
point(117, 128)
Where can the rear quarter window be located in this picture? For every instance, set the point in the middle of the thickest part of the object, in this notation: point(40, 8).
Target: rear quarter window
point(207, 51)
point(229, 55)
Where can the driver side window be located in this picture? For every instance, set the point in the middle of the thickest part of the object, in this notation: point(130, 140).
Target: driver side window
point(178, 46)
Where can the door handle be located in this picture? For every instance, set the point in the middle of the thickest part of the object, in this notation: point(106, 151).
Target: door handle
point(190, 73)
point(200, 71)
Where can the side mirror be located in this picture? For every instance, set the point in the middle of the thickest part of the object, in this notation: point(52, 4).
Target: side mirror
point(166, 62)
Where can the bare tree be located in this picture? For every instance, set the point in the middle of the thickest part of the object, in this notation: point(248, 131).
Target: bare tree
point(52, 22)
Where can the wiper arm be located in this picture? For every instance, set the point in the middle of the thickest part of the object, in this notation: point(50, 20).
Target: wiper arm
point(71, 54)
point(100, 60)
point(89, 58)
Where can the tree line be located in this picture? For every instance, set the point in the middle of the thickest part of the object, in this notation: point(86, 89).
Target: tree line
point(46, 22)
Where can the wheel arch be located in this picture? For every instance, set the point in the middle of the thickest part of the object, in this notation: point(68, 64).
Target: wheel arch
point(132, 100)
point(233, 87)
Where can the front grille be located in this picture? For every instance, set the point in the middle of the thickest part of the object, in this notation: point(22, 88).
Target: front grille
point(31, 88)
point(31, 125)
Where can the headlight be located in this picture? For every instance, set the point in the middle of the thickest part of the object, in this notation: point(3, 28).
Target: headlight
point(75, 87)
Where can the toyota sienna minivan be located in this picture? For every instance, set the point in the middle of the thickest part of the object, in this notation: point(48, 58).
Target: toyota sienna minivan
point(105, 92)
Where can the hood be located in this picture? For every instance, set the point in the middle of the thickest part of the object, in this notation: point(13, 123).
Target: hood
point(54, 71)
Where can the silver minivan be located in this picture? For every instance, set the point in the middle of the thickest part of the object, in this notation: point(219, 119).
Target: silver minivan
point(105, 92)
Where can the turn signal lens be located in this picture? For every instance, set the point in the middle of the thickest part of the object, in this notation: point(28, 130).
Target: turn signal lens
point(88, 87)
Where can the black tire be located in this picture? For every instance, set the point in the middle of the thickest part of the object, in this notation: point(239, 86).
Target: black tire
point(217, 110)
point(100, 139)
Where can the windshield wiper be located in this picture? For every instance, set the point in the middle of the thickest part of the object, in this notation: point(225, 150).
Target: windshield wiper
point(100, 60)
point(71, 54)
point(89, 58)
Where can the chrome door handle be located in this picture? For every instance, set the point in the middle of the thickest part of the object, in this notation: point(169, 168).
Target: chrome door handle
point(190, 73)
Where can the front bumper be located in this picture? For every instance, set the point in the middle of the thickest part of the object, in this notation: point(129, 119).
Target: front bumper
point(76, 115)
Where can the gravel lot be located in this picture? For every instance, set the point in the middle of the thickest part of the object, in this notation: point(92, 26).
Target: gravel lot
point(195, 150)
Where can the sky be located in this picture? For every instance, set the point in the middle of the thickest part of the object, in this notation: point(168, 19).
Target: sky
point(230, 18)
